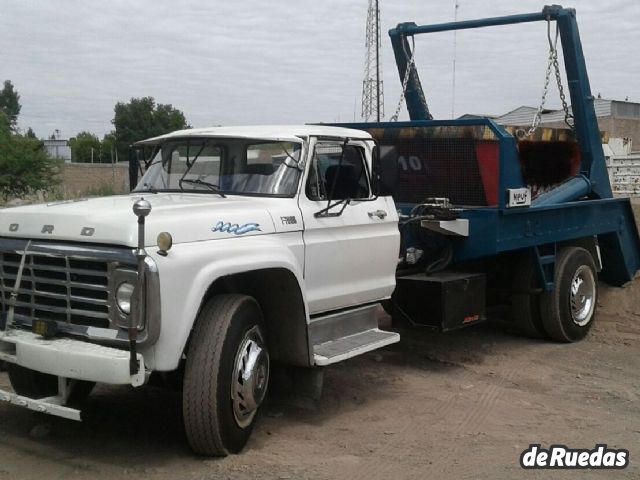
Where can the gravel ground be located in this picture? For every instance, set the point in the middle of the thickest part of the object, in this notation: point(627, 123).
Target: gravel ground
point(460, 405)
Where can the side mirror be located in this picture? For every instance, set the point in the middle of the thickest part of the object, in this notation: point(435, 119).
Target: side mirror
point(385, 170)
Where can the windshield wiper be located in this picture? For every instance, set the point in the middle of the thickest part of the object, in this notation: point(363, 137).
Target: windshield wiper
point(150, 188)
point(196, 181)
point(147, 189)
point(291, 157)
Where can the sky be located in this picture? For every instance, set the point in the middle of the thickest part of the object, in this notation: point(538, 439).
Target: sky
point(273, 62)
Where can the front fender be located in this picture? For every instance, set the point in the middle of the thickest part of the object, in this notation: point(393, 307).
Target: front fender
point(190, 268)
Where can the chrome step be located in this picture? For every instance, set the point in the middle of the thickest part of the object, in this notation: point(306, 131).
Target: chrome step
point(350, 346)
point(50, 405)
point(335, 325)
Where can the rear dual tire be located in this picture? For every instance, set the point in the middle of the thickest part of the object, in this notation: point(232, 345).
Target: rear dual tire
point(569, 310)
point(566, 313)
point(525, 302)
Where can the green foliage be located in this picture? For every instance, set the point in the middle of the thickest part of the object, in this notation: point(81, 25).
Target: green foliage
point(81, 147)
point(30, 133)
point(141, 118)
point(25, 166)
point(104, 190)
point(10, 103)
point(108, 148)
point(5, 125)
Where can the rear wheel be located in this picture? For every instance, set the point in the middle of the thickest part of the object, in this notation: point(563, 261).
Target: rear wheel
point(32, 384)
point(525, 301)
point(226, 375)
point(569, 310)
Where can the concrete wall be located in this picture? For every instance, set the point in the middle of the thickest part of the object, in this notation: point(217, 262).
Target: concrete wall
point(622, 128)
point(615, 127)
point(94, 178)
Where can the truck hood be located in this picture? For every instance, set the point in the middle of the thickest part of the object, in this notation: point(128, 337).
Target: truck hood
point(110, 220)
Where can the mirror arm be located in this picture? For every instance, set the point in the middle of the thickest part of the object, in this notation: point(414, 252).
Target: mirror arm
point(325, 211)
point(333, 184)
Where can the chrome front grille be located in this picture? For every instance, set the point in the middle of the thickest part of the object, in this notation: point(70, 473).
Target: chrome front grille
point(61, 288)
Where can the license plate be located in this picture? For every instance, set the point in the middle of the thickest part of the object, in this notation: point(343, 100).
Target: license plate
point(46, 328)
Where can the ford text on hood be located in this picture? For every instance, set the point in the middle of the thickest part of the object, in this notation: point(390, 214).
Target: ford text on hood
point(190, 217)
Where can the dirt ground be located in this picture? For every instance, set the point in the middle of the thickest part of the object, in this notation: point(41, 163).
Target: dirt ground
point(462, 405)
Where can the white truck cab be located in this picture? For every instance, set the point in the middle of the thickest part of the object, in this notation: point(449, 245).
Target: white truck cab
point(239, 247)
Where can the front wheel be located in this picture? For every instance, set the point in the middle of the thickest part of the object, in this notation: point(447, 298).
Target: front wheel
point(226, 375)
point(568, 311)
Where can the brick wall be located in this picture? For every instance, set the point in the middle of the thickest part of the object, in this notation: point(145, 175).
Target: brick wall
point(84, 178)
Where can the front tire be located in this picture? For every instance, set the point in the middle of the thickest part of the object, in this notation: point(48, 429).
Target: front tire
point(226, 375)
point(568, 311)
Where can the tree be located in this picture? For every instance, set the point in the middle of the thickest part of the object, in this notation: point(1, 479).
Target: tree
point(10, 103)
point(30, 133)
point(85, 147)
point(141, 118)
point(25, 166)
point(5, 125)
point(108, 148)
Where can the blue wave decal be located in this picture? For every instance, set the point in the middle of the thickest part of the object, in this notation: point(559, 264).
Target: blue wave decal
point(235, 228)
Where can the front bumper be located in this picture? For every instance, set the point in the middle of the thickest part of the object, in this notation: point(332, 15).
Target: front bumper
point(68, 358)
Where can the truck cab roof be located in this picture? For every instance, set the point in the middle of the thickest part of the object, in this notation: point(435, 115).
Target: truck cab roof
point(263, 132)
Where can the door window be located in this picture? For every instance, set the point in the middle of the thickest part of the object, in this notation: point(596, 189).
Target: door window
point(338, 172)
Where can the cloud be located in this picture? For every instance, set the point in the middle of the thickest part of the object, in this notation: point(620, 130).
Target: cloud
point(283, 62)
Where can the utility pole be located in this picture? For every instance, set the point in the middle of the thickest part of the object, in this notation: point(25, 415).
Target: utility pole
point(456, 6)
point(378, 60)
point(372, 85)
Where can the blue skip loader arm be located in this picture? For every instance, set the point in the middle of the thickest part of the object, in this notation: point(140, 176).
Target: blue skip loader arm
point(593, 180)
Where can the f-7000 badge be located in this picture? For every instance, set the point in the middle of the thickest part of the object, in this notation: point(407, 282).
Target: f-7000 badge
point(289, 220)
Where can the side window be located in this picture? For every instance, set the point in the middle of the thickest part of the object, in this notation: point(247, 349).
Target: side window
point(338, 172)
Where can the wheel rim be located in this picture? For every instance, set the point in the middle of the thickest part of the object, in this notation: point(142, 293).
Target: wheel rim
point(250, 377)
point(583, 296)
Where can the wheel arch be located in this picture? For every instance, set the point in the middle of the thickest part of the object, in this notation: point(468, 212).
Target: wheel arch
point(279, 294)
point(590, 244)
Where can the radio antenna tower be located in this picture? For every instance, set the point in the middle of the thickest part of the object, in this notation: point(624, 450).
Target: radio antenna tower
point(372, 85)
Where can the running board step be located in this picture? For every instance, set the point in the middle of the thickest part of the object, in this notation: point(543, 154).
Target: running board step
point(350, 346)
point(50, 405)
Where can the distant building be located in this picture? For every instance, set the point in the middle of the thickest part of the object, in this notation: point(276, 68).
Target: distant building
point(475, 116)
point(619, 119)
point(58, 148)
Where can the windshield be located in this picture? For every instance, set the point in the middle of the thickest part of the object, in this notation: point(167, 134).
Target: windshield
point(224, 166)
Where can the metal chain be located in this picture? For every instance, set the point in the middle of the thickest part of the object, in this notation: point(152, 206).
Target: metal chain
point(568, 116)
point(552, 63)
point(405, 81)
point(538, 116)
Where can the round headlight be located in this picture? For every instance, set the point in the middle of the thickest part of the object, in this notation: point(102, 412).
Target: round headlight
point(124, 293)
point(165, 242)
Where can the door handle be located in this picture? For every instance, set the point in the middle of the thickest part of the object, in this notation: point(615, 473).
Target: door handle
point(381, 214)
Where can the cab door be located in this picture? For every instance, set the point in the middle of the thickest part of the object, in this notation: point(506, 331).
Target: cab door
point(351, 249)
